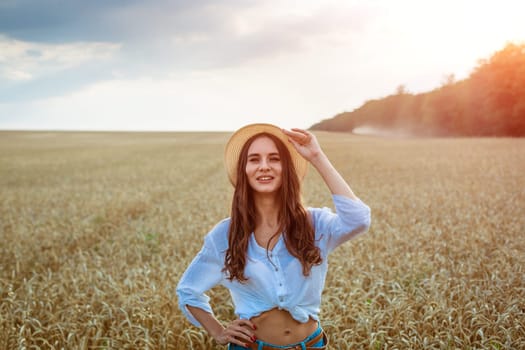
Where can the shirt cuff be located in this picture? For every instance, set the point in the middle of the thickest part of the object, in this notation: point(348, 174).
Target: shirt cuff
point(201, 302)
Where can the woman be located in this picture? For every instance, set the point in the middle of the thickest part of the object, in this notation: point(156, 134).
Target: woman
point(272, 252)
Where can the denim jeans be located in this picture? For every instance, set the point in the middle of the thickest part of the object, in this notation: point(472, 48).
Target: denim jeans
point(320, 343)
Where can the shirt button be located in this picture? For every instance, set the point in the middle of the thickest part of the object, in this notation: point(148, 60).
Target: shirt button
point(281, 299)
point(276, 269)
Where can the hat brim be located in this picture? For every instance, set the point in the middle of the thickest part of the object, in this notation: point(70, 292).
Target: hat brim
point(238, 139)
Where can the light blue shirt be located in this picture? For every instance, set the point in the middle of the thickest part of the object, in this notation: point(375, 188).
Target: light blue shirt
point(276, 279)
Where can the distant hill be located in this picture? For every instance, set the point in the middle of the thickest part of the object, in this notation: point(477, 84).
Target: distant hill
point(490, 102)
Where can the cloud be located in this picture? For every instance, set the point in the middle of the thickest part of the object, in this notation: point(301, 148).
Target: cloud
point(32, 60)
point(182, 34)
point(32, 69)
point(60, 21)
point(116, 20)
point(255, 33)
point(50, 47)
point(214, 64)
point(200, 101)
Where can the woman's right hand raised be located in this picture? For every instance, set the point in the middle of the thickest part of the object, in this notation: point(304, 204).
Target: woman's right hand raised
point(238, 332)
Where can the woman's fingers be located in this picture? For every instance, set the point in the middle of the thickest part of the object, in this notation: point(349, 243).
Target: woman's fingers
point(302, 137)
point(247, 323)
point(294, 132)
point(244, 330)
point(302, 131)
point(239, 332)
point(304, 142)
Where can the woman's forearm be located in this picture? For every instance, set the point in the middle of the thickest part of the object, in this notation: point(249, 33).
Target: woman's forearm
point(238, 332)
point(306, 144)
point(207, 320)
point(331, 176)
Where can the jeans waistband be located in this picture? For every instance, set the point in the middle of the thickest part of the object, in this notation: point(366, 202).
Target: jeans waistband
point(302, 344)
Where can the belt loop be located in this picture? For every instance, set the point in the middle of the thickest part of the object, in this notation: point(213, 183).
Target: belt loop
point(260, 345)
point(303, 345)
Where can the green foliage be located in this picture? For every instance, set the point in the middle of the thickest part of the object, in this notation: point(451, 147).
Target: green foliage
point(490, 102)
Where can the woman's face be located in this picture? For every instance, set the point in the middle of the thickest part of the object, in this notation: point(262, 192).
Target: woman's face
point(263, 166)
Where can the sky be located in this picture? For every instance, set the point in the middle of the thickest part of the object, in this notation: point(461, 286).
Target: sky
point(216, 65)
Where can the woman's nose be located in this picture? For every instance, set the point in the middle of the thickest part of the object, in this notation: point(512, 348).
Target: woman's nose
point(264, 164)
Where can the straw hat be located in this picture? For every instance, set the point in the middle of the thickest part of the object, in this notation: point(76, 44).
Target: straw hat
point(239, 138)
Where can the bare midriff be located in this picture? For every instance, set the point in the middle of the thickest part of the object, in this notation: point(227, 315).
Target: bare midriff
point(280, 328)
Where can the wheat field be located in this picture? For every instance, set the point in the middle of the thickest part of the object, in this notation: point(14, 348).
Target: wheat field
point(97, 228)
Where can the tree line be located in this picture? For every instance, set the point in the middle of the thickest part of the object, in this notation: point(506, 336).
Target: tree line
point(490, 102)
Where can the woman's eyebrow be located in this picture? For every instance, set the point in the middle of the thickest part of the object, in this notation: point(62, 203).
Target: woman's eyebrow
point(258, 154)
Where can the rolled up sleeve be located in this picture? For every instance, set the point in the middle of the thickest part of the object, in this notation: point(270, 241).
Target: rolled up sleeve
point(351, 218)
point(204, 272)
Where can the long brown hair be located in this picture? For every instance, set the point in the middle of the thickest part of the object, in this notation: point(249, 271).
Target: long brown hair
point(299, 235)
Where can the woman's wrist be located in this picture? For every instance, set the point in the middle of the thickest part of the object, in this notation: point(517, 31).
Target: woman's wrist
point(319, 159)
point(217, 334)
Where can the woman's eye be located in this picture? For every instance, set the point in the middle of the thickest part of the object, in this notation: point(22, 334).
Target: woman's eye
point(275, 159)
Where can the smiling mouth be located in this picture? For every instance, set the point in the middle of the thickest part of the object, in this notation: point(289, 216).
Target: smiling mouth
point(265, 178)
